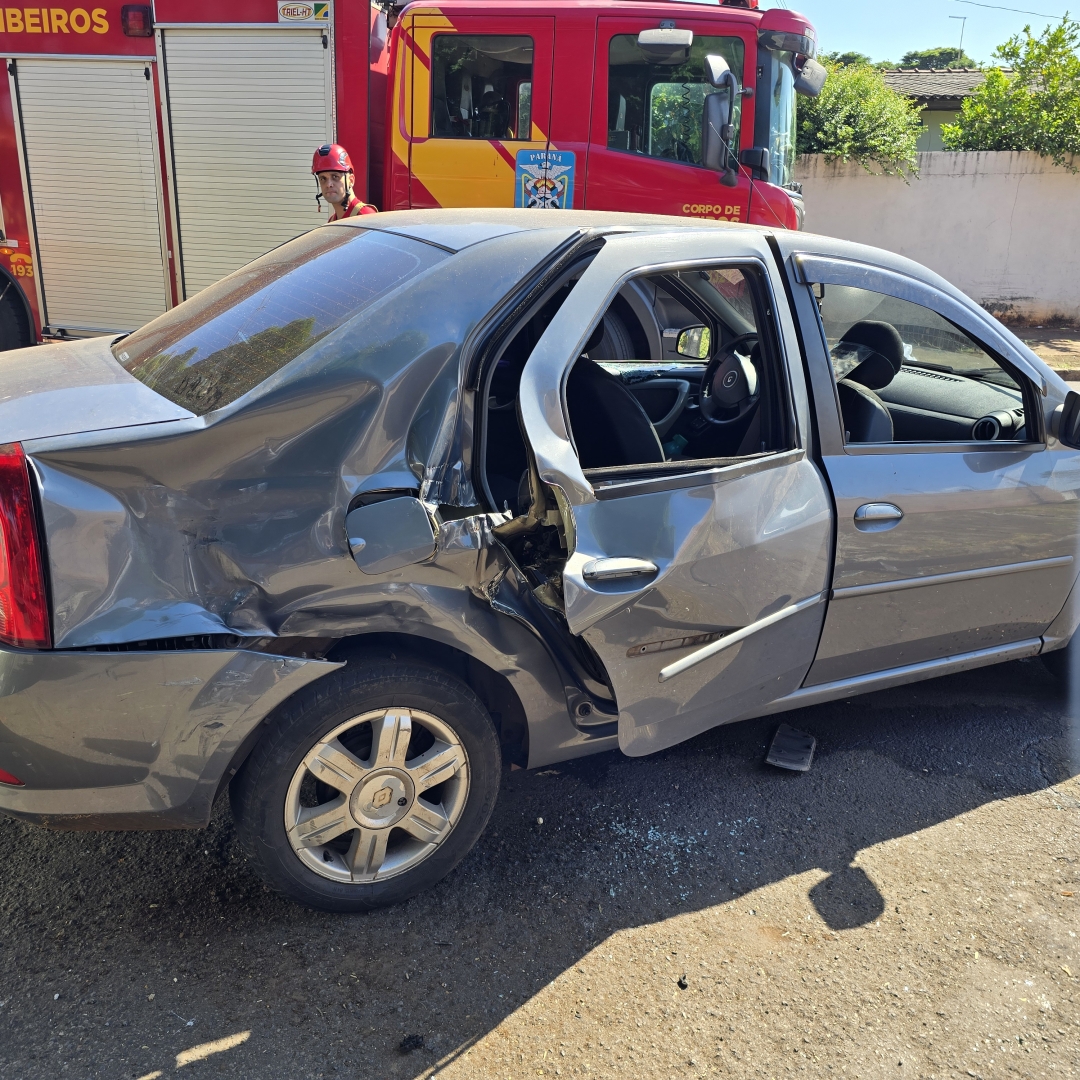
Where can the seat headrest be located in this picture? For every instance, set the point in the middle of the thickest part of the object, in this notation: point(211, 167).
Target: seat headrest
point(878, 369)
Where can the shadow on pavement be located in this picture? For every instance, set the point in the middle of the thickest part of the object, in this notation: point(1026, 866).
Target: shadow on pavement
point(157, 942)
point(847, 898)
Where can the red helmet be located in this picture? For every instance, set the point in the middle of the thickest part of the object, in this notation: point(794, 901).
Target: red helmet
point(331, 158)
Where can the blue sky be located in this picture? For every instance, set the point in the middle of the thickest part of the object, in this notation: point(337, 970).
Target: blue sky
point(887, 30)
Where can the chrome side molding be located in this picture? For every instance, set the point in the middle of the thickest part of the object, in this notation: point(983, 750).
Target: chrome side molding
point(942, 579)
point(736, 636)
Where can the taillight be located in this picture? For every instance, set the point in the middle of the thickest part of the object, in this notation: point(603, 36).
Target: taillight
point(24, 614)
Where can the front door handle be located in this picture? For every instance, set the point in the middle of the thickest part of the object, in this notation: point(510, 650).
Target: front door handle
point(876, 517)
point(617, 569)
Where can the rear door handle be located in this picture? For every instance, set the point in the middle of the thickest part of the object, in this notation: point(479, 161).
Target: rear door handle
point(876, 517)
point(616, 569)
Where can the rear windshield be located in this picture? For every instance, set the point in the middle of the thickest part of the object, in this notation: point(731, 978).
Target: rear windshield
point(218, 345)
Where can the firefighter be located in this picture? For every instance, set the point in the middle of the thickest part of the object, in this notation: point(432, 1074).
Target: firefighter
point(334, 174)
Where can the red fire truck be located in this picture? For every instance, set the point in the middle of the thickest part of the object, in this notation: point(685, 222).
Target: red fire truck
point(148, 150)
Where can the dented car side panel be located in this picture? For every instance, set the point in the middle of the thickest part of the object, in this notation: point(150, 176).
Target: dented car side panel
point(237, 526)
point(233, 524)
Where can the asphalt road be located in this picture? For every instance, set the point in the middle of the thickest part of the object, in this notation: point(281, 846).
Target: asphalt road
point(908, 908)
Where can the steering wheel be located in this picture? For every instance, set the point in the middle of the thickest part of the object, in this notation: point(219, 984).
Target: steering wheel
point(730, 387)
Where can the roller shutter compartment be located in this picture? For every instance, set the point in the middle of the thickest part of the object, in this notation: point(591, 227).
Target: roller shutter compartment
point(247, 108)
point(88, 132)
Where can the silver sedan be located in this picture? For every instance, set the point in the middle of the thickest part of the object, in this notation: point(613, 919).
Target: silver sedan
point(416, 495)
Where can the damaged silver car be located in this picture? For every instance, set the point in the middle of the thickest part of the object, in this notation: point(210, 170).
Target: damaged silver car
point(415, 495)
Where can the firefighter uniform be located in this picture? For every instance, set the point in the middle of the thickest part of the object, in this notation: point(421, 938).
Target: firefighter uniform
point(354, 209)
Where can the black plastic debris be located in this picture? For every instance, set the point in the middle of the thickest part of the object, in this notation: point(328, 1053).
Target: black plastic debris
point(411, 1043)
point(791, 749)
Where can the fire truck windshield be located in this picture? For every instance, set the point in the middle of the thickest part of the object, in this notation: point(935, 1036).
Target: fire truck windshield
point(782, 130)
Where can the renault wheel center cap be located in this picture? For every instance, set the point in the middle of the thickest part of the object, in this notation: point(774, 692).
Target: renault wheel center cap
point(382, 799)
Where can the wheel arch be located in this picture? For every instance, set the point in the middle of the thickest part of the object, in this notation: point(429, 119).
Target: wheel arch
point(494, 689)
point(12, 294)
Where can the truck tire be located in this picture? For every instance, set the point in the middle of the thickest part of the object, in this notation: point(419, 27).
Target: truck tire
point(16, 330)
point(369, 786)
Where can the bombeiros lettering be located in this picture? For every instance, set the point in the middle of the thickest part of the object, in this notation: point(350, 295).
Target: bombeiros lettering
point(725, 211)
point(32, 20)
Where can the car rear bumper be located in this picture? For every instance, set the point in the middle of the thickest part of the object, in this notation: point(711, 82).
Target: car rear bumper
point(132, 740)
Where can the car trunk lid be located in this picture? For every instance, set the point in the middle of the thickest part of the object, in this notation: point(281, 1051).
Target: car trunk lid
point(73, 386)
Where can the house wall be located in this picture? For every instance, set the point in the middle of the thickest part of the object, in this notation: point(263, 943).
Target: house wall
point(1002, 227)
point(932, 119)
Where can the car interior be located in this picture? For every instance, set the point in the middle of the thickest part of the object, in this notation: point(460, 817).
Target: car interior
point(679, 374)
point(905, 374)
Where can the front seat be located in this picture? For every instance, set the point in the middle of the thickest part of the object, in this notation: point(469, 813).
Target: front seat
point(866, 417)
point(608, 423)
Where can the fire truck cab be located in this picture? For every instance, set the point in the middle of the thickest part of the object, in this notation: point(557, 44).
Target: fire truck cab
point(148, 150)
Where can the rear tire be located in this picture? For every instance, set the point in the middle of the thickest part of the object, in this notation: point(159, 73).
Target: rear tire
point(370, 786)
point(1064, 664)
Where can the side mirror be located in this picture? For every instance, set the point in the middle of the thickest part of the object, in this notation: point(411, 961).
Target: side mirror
point(666, 46)
point(809, 77)
point(718, 72)
point(756, 159)
point(1065, 421)
point(716, 116)
point(695, 342)
point(388, 535)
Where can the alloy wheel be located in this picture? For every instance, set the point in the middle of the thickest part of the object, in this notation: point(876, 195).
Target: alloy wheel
point(377, 795)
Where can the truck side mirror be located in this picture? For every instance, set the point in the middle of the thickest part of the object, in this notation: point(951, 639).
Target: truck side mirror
point(756, 159)
point(716, 116)
point(809, 77)
point(1065, 421)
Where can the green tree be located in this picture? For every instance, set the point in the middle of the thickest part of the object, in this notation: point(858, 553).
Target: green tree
point(858, 118)
point(945, 56)
point(1037, 107)
point(844, 59)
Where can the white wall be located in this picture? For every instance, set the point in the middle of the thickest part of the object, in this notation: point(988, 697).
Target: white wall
point(1003, 227)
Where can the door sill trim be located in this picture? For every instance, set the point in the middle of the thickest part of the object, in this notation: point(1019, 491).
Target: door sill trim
point(882, 680)
point(897, 584)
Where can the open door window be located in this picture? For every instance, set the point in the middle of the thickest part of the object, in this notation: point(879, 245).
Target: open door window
point(664, 506)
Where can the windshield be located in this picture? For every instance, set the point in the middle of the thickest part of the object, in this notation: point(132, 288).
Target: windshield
point(215, 347)
point(782, 121)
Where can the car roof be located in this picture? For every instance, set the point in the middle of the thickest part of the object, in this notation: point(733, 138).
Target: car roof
point(460, 228)
point(456, 229)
